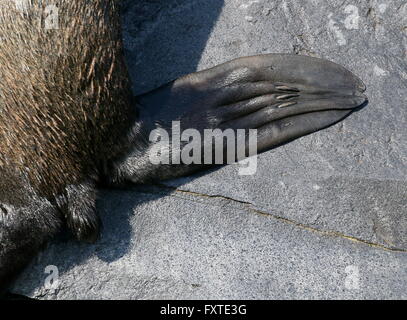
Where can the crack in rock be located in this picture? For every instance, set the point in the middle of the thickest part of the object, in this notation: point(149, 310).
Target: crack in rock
point(251, 207)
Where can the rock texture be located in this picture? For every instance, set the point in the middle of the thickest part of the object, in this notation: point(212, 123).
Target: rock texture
point(324, 217)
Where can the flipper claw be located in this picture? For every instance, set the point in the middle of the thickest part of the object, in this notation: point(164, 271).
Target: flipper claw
point(287, 96)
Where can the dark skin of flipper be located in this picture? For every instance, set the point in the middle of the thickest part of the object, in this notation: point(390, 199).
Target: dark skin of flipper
point(283, 96)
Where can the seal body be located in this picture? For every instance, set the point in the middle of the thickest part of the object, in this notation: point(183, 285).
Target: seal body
point(69, 121)
point(65, 95)
point(66, 108)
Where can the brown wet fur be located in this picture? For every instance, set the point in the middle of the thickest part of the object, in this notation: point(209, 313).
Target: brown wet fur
point(62, 93)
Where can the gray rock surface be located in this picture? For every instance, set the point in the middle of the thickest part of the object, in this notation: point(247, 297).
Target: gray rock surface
point(324, 217)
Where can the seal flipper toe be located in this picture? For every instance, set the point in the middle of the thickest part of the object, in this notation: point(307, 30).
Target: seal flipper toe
point(304, 70)
point(287, 129)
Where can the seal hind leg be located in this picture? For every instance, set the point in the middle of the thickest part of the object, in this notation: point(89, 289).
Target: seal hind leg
point(23, 231)
point(28, 221)
point(78, 205)
point(283, 96)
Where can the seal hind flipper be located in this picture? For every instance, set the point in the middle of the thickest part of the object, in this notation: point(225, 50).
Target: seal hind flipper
point(283, 96)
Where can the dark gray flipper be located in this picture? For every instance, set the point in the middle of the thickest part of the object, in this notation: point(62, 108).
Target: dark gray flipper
point(283, 96)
